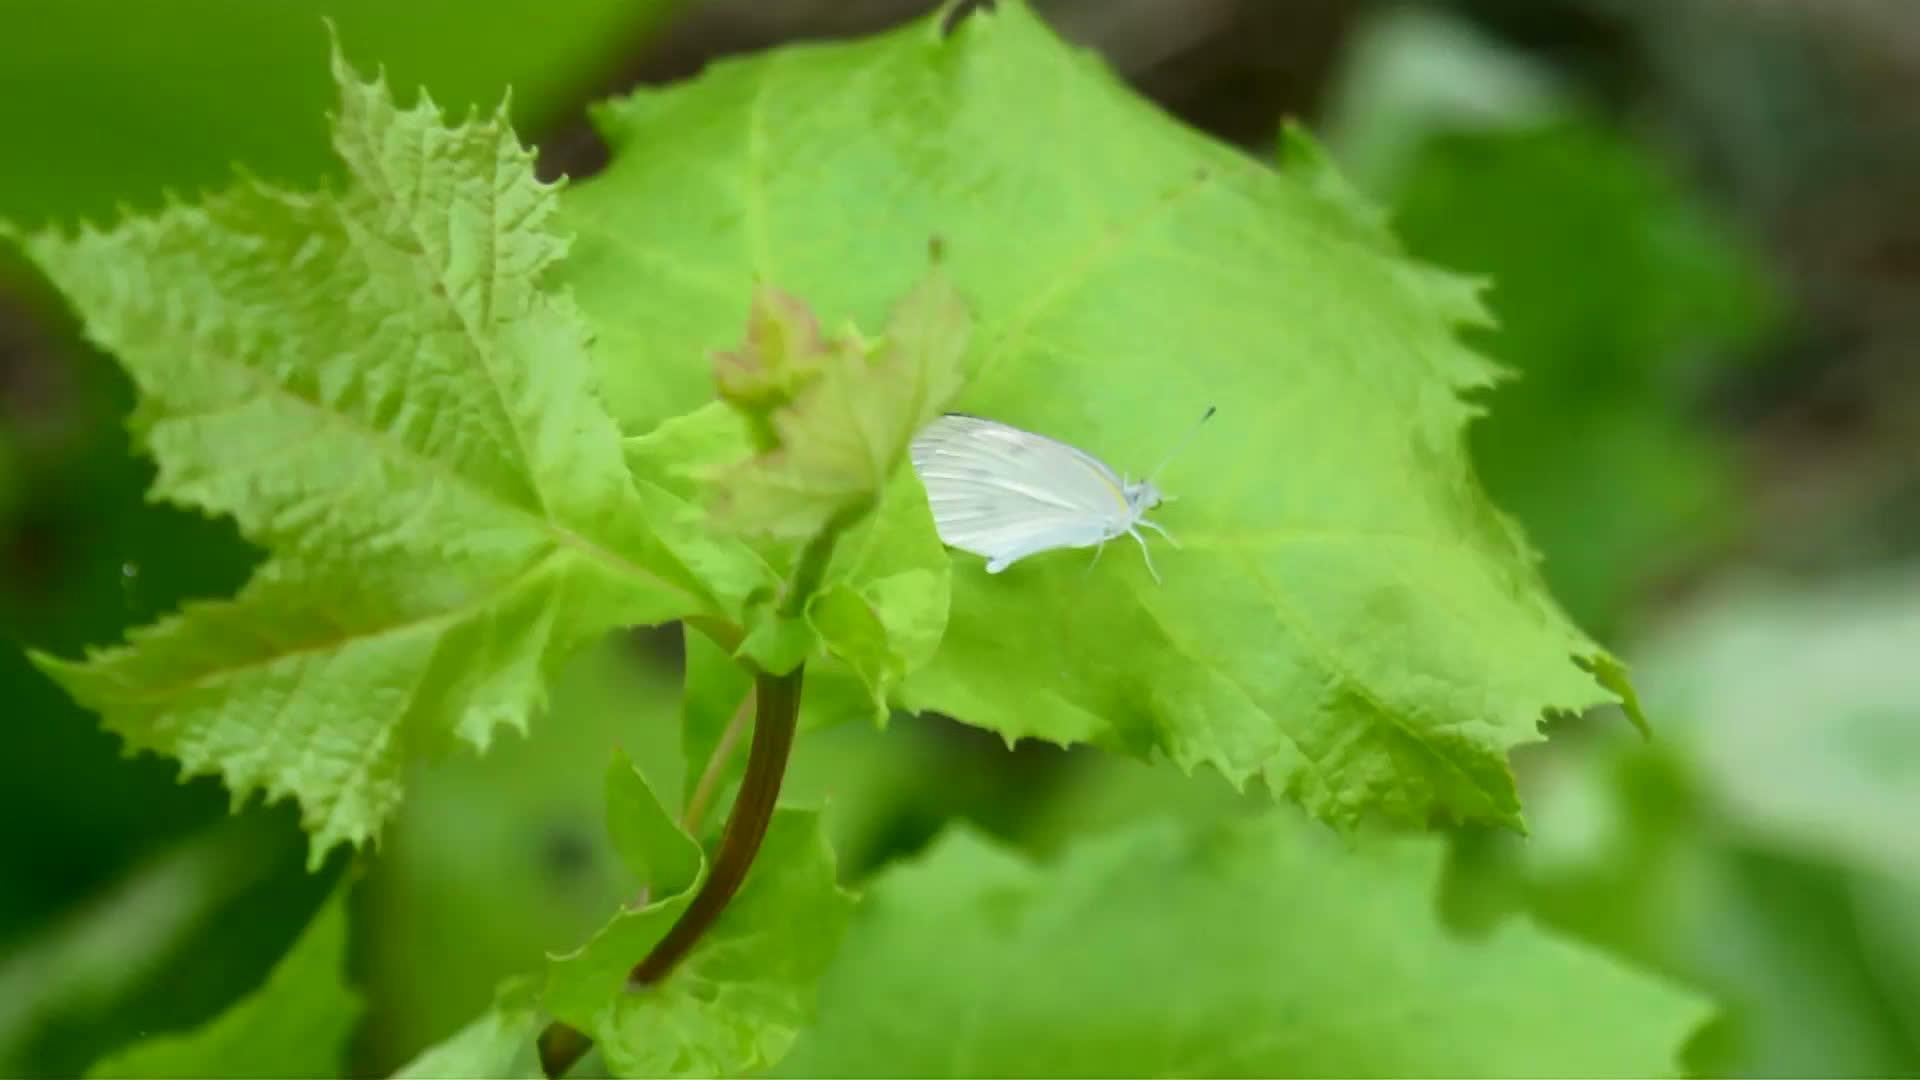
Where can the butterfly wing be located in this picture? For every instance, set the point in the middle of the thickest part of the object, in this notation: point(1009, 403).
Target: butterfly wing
point(1004, 493)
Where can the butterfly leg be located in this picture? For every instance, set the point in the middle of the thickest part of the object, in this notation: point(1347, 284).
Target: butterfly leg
point(1145, 554)
point(1161, 531)
point(1097, 549)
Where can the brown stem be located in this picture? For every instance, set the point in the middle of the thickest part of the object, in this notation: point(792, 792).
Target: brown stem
point(709, 782)
point(776, 714)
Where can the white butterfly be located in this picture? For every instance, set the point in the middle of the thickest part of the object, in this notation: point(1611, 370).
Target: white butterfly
point(1006, 494)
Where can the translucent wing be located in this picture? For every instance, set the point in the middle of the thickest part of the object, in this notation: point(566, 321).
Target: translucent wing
point(1005, 493)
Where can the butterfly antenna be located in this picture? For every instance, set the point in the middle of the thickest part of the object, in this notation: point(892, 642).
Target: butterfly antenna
point(1182, 444)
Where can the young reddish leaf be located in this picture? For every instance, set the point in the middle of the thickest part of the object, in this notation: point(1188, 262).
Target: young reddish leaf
point(833, 416)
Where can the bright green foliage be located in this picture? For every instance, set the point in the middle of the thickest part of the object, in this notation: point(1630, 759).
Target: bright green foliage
point(830, 420)
point(296, 1024)
point(735, 1003)
point(884, 607)
point(832, 417)
point(1256, 948)
point(1349, 618)
point(890, 562)
point(379, 388)
point(498, 1044)
point(815, 439)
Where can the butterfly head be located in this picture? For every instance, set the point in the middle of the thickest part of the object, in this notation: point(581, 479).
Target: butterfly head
point(1143, 496)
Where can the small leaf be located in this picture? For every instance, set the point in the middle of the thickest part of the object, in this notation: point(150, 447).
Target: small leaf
point(647, 838)
point(783, 354)
point(1256, 948)
point(295, 1024)
point(885, 631)
point(383, 390)
point(833, 417)
point(843, 618)
point(778, 643)
point(892, 559)
point(735, 1003)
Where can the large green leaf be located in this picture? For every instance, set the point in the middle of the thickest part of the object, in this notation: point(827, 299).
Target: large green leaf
point(381, 389)
point(1349, 618)
point(1257, 948)
point(295, 1025)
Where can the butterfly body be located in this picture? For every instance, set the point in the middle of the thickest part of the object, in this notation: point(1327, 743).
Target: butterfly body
point(1004, 493)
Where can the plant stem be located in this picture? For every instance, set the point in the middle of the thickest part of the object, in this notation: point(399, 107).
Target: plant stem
point(777, 711)
point(709, 782)
point(708, 785)
point(814, 558)
point(776, 714)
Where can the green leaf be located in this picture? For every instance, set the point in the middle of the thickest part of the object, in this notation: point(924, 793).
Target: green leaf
point(1349, 618)
point(295, 1024)
point(832, 417)
point(883, 611)
point(890, 562)
point(499, 1043)
point(381, 389)
point(735, 1003)
point(647, 837)
point(1256, 948)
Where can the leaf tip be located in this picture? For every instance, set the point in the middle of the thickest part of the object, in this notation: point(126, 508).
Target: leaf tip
point(1612, 675)
point(343, 71)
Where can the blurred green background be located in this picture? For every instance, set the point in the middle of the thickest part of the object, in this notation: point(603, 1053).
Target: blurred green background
point(1702, 225)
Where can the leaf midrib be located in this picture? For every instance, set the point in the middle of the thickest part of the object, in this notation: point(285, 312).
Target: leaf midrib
point(154, 696)
point(560, 534)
